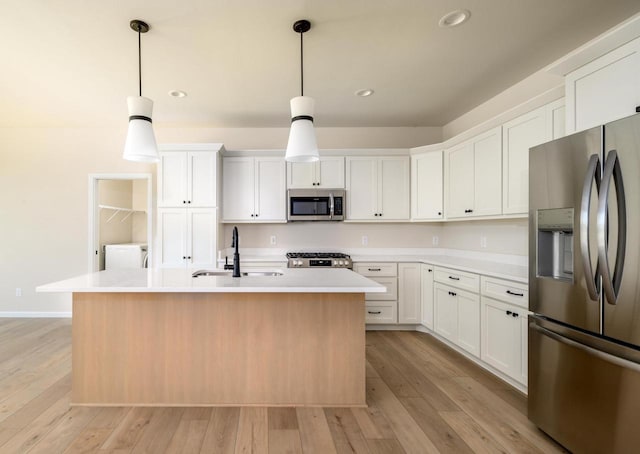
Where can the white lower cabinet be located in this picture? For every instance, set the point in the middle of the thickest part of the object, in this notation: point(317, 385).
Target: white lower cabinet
point(426, 272)
point(504, 338)
point(187, 237)
point(457, 317)
point(380, 308)
point(409, 293)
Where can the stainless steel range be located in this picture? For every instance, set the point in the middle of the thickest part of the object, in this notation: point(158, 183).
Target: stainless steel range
point(319, 259)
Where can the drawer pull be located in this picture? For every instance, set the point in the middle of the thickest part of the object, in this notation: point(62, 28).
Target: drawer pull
point(509, 312)
point(514, 314)
point(374, 269)
point(454, 278)
point(429, 270)
point(375, 312)
point(514, 293)
point(453, 294)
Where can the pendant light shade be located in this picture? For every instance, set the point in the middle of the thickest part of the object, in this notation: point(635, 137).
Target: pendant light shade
point(140, 145)
point(302, 145)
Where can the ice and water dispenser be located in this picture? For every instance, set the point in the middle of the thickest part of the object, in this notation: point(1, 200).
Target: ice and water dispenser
point(555, 243)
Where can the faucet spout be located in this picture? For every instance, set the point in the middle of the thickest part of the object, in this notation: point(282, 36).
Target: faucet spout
point(236, 254)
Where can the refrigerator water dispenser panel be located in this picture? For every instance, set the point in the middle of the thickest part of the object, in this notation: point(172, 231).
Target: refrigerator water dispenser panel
point(555, 243)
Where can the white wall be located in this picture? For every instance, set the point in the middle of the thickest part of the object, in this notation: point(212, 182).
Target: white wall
point(44, 192)
point(508, 236)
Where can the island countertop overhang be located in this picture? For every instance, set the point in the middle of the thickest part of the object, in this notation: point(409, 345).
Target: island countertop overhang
point(180, 281)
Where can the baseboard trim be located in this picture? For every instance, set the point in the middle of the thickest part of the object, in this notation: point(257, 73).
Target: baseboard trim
point(33, 314)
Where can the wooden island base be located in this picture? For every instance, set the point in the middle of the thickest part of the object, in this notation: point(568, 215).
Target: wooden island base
point(219, 349)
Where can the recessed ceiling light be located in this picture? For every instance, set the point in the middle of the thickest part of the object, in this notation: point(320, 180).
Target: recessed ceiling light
point(454, 18)
point(364, 92)
point(177, 93)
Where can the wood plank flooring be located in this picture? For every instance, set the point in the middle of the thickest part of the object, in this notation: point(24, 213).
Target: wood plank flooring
point(422, 397)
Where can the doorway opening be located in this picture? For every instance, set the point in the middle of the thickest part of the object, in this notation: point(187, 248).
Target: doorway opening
point(120, 221)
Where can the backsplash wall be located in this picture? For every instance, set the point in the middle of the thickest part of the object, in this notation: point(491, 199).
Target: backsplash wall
point(502, 236)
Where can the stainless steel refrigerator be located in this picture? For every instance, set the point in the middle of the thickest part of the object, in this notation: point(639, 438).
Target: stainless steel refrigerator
point(584, 278)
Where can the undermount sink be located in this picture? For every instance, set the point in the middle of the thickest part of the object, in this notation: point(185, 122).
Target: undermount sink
point(201, 273)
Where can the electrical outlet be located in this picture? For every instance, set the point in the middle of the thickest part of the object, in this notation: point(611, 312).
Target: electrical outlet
point(435, 240)
point(365, 240)
point(272, 240)
point(483, 241)
point(18, 291)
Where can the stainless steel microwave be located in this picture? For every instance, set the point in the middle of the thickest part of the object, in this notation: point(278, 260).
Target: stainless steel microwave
point(315, 204)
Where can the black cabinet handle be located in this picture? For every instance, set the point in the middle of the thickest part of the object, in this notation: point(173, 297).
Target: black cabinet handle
point(513, 314)
point(454, 278)
point(374, 269)
point(188, 201)
point(430, 270)
point(375, 312)
point(509, 312)
point(256, 215)
point(439, 213)
point(184, 201)
point(453, 294)
point(514, 293)
point(468, 211)
point(252, 215)
point(380, 214)
point(184, 257)
point(189, 257)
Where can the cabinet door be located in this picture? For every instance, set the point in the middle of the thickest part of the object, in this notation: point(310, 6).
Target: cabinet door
point(202, 179)
point(469, 322)
point(270, 190)
point(362, 188)
point(426, 186)
point(445, 312)
point(301, 175)
point(518, 136)
point(238, 189)
point(459, 162)
point(524, 347)
point(393, 188)
point(501, 337)
point(409, 293)
point(487, 181)
point(172, 237)
point(605, 89)
point(172, 179)
point(330, 172)
point(426, 272)
point(202, 237)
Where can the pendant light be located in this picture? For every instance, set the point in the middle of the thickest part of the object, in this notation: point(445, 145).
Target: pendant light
point(302, 146)
point(141, 144)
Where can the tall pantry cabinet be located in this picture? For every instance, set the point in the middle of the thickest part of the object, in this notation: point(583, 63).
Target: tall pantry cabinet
point(188, 199)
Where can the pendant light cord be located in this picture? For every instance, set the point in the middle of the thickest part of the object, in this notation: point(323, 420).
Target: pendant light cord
point(139, 64)
point(301, 67)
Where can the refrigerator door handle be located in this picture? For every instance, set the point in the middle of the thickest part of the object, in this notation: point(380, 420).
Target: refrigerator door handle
point(612, 171)
point(591, 278)
point(625, 363)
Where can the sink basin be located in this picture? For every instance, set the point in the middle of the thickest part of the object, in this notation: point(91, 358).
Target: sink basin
point(201, 273)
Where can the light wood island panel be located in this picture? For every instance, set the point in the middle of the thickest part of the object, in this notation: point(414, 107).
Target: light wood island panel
point(218, 349)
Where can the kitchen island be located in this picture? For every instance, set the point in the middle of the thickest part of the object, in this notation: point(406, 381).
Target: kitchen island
point(163, 338)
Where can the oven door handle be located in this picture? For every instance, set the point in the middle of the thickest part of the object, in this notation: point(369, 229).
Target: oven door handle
point(331, 205)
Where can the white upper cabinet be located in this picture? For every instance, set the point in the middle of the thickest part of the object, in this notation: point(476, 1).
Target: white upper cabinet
point(533, 128)
point(328, 173)
point(188, 237)
point(426, 186)
point(605, 89)
point(187, 179)
point(254, 189)
point(378, 188)
point(473, 175)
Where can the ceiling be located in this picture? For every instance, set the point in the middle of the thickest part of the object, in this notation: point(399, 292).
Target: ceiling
point(73, 62)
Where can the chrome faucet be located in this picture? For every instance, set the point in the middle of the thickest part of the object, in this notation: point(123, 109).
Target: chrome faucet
point(236, 254)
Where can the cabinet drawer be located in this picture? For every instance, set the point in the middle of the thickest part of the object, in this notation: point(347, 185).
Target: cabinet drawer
point(392, 289)
point(384, 312)
point(376, 269)
point(458, 279)
point(507, 291)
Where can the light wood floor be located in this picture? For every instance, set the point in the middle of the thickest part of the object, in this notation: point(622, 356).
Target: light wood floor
point(422, 398)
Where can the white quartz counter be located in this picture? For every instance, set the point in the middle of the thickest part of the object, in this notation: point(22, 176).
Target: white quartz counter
point(180, 280)
point(500, 270)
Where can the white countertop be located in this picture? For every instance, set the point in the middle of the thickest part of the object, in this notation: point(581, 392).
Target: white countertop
point(494, 265)
point(330, 280)
point(507, 271)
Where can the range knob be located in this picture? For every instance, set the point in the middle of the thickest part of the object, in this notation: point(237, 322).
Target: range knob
point(298, 263)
